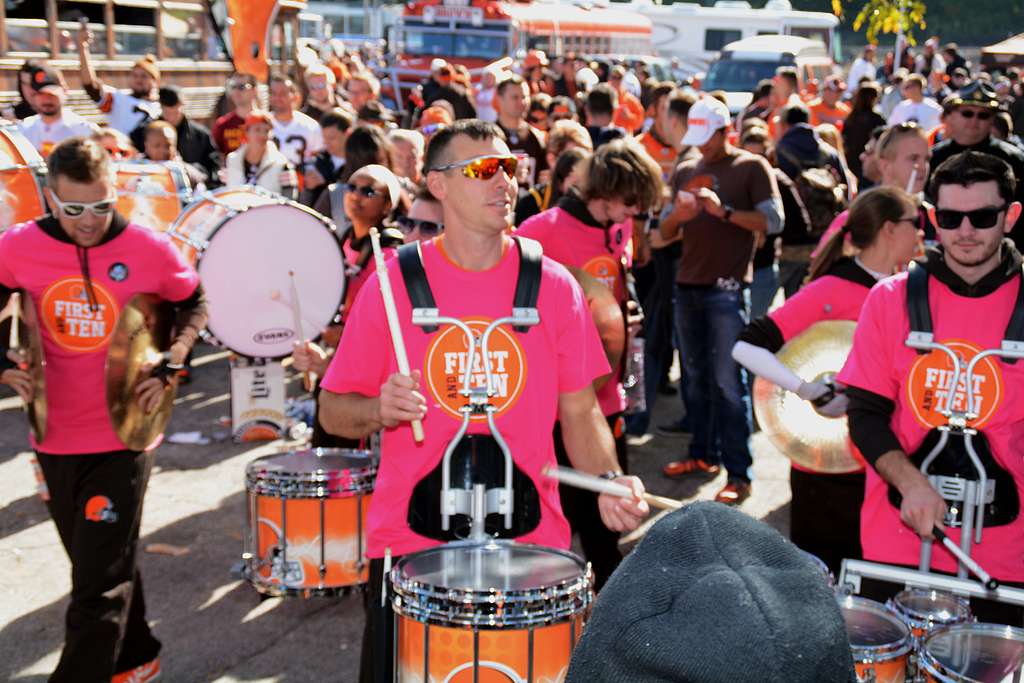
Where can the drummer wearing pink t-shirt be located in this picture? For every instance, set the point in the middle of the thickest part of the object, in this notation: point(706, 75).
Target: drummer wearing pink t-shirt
point(542, 374)
point(896, 393)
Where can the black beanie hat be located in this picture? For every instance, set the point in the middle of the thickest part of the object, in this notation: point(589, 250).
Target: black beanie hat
point(714, 596)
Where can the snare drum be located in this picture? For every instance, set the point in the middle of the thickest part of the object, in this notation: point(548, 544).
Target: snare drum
point(879, 640)
point(495, 611)
point(973, 653)
point(22, 178)
point(924, 610)
point(245, 242)
point(152, 193)
point(307, 519)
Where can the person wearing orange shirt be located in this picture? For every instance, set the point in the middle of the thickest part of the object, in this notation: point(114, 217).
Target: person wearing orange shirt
point(829, 108)
point(630, 113)
point(663, 140)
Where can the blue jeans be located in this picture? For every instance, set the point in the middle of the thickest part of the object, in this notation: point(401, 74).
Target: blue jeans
point(763, 290)
point(709, 321)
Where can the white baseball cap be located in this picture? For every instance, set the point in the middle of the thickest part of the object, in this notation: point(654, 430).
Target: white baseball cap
point(437, 64)
point(707, 116)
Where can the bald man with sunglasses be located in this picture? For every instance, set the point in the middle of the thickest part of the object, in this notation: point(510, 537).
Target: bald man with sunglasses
point(81, 265)
point(541, 374)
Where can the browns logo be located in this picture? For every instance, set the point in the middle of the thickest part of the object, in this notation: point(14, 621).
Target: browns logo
point(73, 324)
point(930, 390)
point(700, 181)
point(446, 363)
point(605, 270)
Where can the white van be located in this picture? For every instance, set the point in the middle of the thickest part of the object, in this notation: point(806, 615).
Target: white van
point(744, 63)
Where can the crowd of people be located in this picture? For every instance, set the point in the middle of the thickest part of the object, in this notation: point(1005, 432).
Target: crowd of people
point(697, 218)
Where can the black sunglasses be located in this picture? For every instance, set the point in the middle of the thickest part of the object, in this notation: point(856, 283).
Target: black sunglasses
point(948, 219)
point(970, 114)
point(366, 190)
point(407, 225)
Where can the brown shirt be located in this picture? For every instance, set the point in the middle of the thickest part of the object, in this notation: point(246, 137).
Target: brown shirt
point(714, 248)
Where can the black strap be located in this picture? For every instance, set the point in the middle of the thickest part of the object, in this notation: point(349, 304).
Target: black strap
point(1015, 329)
point(528, 282)
point(917, 300)
point(411, 264)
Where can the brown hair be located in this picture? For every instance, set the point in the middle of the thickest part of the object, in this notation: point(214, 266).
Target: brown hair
point(893, 134)
point(622, 169)
point(82, 160)
point(565, 132)
point(154, 127)
point(868, 213)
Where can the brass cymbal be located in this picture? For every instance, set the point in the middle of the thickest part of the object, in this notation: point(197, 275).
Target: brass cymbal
point(142, 334)
point(806, 437)
point(607, 315)
point(31, 344)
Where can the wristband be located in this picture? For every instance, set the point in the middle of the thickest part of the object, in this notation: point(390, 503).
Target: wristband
point(613, 474)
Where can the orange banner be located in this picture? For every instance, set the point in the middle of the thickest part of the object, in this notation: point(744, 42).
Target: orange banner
point(250, 22)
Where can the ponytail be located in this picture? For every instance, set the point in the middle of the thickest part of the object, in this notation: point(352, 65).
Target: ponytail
point(827, 256)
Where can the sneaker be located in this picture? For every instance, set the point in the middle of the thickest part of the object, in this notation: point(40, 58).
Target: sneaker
point(678, 468)
point(734, 493)
point(677, 428)
point(144, 673)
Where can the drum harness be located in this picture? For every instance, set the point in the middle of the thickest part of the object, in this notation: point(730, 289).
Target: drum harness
point(969, 495)
point(478, 499)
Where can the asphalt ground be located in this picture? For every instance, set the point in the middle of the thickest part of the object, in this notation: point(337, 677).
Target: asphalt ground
point(215, 627)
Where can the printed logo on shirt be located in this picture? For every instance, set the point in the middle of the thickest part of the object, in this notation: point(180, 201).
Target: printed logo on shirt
point(100, 509)
point(118, 272)
point(700, 181)
point(446, 363)
point(929, 385)
point(71, 321)
point(604, 269)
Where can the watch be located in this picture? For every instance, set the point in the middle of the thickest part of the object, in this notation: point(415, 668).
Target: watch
point(728, 214)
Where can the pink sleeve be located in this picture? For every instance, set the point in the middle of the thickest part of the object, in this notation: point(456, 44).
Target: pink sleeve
point(835, 226)
point(802, 310)
point(581, 358)
point(7, 278)
point(364, 354)
point(873, 343)
point(179, 278)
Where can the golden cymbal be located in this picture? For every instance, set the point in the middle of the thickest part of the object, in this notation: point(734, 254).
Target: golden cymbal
point(31, 344)
point(806, 437)
point(142, 334)
point(607, 315)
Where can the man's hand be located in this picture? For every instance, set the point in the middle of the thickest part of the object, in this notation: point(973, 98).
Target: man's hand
point(710, 202)
point(686, 206)
point(313, 178)
point(401, 400)
point(922, 508)
point(17, 378)
point(836, 407)
point(85, 37)
point(624, 514)
point(149, 392)
point(809, 391)
point(308, 357)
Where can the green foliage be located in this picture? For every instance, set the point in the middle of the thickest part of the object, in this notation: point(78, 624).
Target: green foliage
point(885, 16)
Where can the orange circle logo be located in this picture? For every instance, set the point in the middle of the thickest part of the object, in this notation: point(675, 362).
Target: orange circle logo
point(930, 390)
point(447, 360)
point(605, 270)
point(71, 321)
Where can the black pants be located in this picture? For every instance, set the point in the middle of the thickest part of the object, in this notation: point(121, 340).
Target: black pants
point(600, 544)
point(376, 660)
point(96, 504)
point(825, 515)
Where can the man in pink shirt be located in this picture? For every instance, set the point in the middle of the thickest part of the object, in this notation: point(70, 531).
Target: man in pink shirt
point(539, 375)
point(971, 290)
point(591, 229)
point(80, 265)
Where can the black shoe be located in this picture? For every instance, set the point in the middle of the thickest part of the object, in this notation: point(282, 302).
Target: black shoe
point(677, 428)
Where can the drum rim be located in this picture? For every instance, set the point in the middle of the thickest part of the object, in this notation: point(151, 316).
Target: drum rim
point(32, 160)
point(929, 664)
point(871, 654)
point(310, 485)
point(924, 619)
point(278, 201)
point(178, 175)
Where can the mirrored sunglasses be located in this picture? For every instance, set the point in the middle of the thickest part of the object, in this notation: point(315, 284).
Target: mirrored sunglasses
point(485, 167)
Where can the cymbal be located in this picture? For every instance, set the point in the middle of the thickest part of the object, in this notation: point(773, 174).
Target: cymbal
point(142, 334)
point(806, 437)
point(607, 315)
point(31, 344)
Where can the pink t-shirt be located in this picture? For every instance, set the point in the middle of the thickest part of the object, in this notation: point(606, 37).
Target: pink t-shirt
point(569, 241)
point(881, 363)
point(75, 339)
point(563, 354)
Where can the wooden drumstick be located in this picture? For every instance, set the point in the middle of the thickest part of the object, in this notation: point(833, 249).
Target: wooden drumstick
point(308, 376)
point(14, 343)
point(582, 480)
point(393, 323)
point(966, 559)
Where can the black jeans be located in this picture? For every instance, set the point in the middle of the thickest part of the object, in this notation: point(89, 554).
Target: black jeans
point(824, 517)
point(376, 660)
point(96, 504)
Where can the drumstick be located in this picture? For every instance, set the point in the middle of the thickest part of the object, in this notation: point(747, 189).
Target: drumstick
point(912, 181)
point(582, 480)
point(959, 554)
point(393, 323)
point(14, 343)
point(308, 377)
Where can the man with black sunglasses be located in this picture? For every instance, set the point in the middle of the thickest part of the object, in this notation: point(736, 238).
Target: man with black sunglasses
point(896, 393)
point(969, 128)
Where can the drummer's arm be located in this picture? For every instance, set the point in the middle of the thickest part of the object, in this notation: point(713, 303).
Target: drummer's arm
point(190, 317)
point(5, 362)
point(355, 416)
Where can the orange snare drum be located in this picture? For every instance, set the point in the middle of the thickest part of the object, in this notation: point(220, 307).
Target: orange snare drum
point(22, 178)
point(926, 610)
point(488, 612)
point(879, 640)
point(152, 193)
point(307, 519)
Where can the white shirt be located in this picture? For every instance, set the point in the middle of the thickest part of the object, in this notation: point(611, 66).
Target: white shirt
point(485, 110)
point(927, 113)
point(861, 68)
point(44, 137)
point(299, 139)
point(126, 112)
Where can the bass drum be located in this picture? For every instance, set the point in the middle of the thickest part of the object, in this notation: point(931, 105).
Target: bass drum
point(22, 178)
point(151, 193)
point(249, 247)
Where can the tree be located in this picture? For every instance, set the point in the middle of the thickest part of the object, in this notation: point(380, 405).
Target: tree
point(886, 16)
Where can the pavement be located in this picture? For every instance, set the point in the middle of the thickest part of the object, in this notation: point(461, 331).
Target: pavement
point(215, 627)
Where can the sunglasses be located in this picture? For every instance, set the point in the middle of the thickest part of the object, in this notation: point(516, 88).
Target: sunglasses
point(947, 219)
point(970, 114)
point(426, 228)
point(241, 86)
point(484, 168)
point(77, 209)
point(538, 120)
point(367, 191)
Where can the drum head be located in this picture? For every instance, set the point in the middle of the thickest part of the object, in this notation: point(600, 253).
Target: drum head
point(151, 194)
point(245, 273)
point(932, 606)
point(314, 460)
point(870, 625)
point(317, 472)
point(982, 653)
